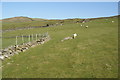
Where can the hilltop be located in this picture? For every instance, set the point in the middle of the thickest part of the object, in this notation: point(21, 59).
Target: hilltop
point(27, 19)
point(21, 19)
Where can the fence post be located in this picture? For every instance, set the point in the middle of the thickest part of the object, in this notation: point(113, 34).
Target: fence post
point(32, 37)
point(29, 38)
point(22, 39)
point(16, 40)
point(39, 36)
point(36, 37)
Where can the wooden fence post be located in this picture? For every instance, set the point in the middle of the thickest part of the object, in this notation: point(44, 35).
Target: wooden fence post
point(29, 38)
point(16, 40)
point(32, 37)
point(36, 37)
point(22, 39)
point(39, 36)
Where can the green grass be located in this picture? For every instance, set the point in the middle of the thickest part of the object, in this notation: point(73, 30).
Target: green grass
point(13, 25)
point(93, 54)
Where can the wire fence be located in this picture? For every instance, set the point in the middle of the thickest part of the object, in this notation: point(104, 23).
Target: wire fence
point(18, 40)
point(25, 44)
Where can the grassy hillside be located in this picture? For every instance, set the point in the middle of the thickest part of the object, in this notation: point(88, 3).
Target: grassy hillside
point(26, 22)
point(21, 19)
point(93, 54)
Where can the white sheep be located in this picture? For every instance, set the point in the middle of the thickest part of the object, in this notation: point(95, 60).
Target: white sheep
point(113, 21)
point(74, 35)
point(86, 26)
point(61, 24)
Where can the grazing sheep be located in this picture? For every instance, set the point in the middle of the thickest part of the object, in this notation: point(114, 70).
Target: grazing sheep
point(86, 26)
point(74, 36)
point(113, 21)
point(61, 24)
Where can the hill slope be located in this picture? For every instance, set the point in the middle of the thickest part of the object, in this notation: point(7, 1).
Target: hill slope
point(21, 19)
point(26, 22)
point(93, 54)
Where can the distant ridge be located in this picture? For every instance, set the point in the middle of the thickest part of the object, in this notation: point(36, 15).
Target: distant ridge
point(20, 23)
point(21, 19)
point(27, 19)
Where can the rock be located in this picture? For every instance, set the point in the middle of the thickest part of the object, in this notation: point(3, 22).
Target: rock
point(2, 57)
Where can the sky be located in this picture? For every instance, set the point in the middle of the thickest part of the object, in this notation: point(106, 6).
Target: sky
point(59, 10)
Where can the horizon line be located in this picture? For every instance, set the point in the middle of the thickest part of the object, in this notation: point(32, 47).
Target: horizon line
point(61, 18)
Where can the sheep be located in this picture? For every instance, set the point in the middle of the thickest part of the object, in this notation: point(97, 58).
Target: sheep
point(86, 26)
point(74, 35)
point(112, 21)
point(61, 24)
